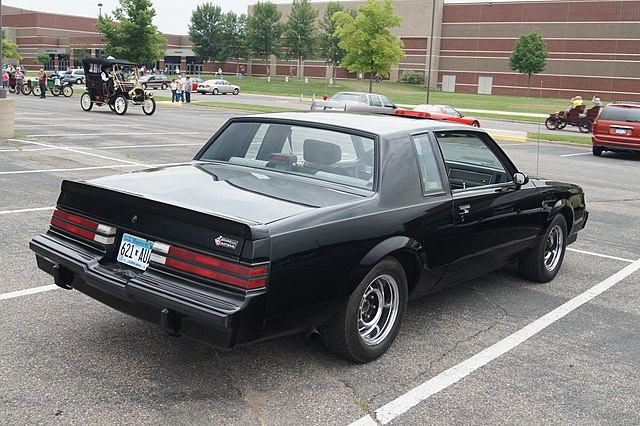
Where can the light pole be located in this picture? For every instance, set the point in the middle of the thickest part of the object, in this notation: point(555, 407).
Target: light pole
point(99, 9)
point(433, 19)
point(3, 92)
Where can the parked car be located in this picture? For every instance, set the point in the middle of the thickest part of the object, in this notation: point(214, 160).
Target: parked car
point(217, 86)
point(74, 76)
point(154, 81)
point(617, 128)
point(318, 222)
point(355, 102)
point(439, 112)
point(195, 81)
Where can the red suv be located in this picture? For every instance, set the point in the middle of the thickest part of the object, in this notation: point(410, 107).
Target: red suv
point(617, 128)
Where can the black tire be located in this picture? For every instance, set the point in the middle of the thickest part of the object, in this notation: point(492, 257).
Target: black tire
point(67, 91)
point(144, 85)
point(164, 86)
point(475, 124)
point(561, 124)
point(149, 106)
point(120, 105)
point(543, 262)
point(597, 150)
point(551, 123)
point(56, 91)
point(585, 126)
point(12, 89)
point(363, 328)
point(85, 101)
point(25, 89)
point(111, 107)
point(236, 91)
point(36, 90)
point(215, 91)
point(78, 81)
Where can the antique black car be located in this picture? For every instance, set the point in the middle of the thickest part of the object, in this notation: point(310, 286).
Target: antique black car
point(114, 82)
point(311, 222)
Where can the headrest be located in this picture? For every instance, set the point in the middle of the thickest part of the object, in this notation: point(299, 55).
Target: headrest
point(321, 152)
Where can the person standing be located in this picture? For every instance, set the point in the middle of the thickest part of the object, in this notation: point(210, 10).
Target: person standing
point(5, 79)
point(174, 88)
point(187, 86)
point(19, 75)
point(220, 73)
point(42, 82)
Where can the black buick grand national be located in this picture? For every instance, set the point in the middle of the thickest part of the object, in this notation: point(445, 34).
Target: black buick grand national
point(316, 221)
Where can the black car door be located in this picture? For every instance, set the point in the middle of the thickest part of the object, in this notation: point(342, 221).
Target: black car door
point(495, 219)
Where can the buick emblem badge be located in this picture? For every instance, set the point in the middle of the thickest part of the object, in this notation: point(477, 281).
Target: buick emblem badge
point(134, 219)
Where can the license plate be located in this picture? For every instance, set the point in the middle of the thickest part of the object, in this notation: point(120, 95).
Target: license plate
point(135, 251)
point(621, 131)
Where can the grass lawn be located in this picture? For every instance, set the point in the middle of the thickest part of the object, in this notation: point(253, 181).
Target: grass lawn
point(584, 140)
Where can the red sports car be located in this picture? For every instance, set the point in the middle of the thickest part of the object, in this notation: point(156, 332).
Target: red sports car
point(439, 112)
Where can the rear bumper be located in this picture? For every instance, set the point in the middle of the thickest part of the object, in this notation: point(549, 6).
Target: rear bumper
point(179, 307)
point(615, 145)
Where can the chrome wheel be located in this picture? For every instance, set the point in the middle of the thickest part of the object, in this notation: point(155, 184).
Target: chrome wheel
point(120, 105)
point(149, 106)
point(378, 310)
point(85, 101)
point(554, 248)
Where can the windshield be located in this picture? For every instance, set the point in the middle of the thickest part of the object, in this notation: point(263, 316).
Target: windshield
point(326, 155)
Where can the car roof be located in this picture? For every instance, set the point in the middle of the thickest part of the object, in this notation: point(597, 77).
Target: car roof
point(381, 124)
point(625, 104)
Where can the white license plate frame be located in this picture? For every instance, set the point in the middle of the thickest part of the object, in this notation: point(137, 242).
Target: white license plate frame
point(135, 251)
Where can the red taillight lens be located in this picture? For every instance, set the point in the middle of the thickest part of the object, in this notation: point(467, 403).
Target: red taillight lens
point(246, 277)
point(83, 227)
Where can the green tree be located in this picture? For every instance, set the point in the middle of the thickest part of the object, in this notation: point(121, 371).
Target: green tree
point(234, 33)
point(43, 58)
point(300, 32)
point(264, 31)
point(9, 48)
point(205, 32)
point(330, 51)
point(369, 44)
point(529, 55)
point(133, 37)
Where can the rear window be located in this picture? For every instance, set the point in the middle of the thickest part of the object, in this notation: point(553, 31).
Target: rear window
point(620, 113)
point(346, 97)
point(327, 155)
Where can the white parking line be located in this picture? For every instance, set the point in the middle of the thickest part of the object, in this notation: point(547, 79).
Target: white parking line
point(600, 255)
point(415, 396)
point(101, 125)
point(73, 135)
point(76, 169)
point(36, 209)
point(28, 291)
point(573, 155)
point(78, 152)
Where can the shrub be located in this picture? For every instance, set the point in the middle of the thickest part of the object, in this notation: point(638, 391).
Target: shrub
point(411, 77)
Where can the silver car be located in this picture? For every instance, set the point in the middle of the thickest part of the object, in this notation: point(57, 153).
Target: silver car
point(218, 86)
point(356, 101)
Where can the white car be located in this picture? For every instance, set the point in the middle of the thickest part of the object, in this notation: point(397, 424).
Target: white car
point(218, 86)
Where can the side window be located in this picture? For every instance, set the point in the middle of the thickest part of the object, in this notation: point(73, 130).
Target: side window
point(428, 165)
point(374, 100)
point(387, 102)
point(469, 160)
point(453, 112)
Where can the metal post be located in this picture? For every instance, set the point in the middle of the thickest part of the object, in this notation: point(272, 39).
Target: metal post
point(99, 9)
point(3, 92)
point(433, 19)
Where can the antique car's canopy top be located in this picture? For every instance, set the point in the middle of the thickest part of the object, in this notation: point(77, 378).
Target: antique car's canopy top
point(94, 65)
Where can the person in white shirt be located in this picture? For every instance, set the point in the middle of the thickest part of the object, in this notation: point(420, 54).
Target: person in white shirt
point(106, 78)
point(174, 88)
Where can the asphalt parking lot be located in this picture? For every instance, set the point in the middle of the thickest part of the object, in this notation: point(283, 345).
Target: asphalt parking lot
point(495, 350)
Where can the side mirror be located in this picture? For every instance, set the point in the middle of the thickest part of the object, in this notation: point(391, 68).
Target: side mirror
point(520, 178)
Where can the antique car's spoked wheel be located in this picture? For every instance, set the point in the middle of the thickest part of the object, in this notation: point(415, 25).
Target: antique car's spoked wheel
point(149, 106)
point(120, 105)
point(67, 91)
point(37, 91)
point(550, 123)
point(585, 126)
point(543, 262)
point(85, 101)
point(56, 91)
point(369, 320)
point(25, 89)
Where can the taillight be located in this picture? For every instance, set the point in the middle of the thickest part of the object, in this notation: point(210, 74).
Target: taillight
point(594, 127)
point(83, 227)
point(246, 277)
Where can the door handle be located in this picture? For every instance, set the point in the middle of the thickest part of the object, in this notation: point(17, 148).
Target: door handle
point(464, 209)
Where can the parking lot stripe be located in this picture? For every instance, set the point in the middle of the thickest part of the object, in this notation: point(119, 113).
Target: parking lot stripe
point(402, 404)
point(73, 135)
point(77, 169)
point(600, 255)
point(78, 152)
point(36, 209)
point(28, 291)
point(573, 155)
